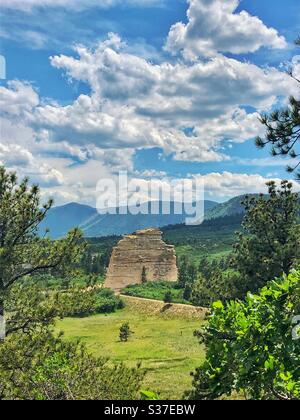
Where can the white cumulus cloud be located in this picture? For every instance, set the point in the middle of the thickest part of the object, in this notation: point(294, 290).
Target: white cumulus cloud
point(18, 98)
point(16, 158)
point(214, 26)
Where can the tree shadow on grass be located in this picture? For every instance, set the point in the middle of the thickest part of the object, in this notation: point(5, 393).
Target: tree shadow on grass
point(166, 307)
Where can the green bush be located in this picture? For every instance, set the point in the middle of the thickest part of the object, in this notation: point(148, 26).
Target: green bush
point(253, 346)
point(156, 290)
point(81, 302)
point(125, 332)
point(107, 301)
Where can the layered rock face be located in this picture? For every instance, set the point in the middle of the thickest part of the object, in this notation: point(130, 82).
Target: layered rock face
point(143, 254)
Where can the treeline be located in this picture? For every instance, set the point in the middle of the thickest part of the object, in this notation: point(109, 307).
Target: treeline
point(204, 283)
point(228, 220)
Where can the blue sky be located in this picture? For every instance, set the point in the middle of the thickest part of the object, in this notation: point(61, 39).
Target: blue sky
point(160, 88)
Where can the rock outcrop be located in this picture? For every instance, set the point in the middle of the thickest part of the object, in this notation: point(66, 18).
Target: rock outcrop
point(143, 256)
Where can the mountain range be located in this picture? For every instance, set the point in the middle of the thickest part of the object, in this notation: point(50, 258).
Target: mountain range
point(61, 219)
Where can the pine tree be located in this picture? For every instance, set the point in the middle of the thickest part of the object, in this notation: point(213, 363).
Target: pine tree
point(125, 332)
point(187, 293)
point(23, 252)
point(270, 243)
point(283, 131)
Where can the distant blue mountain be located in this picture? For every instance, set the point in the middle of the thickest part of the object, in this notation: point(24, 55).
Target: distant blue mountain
point(61, 219)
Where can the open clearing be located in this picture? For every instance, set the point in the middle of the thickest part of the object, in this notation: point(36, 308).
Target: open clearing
point(163, 342)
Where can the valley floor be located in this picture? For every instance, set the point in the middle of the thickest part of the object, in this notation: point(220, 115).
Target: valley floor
point(163, 342)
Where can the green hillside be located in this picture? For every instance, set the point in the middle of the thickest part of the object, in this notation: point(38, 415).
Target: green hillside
point(214, 238)
point(229, 208)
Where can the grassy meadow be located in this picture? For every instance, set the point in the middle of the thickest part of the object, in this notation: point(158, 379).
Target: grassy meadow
point(162, 342)
point(164, 345)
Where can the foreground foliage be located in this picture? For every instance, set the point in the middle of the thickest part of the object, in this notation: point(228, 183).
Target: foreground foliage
point(252, 346)
point(22, 252)
point(35, 363)
point(40, 366)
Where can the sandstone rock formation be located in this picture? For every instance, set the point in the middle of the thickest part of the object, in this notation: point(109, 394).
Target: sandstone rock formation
point(143, 255)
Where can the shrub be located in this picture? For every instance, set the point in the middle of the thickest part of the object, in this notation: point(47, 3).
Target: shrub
point(168, 297)
point(156, 290)
point(125, 332)
point(81, 302)
point(107, 301)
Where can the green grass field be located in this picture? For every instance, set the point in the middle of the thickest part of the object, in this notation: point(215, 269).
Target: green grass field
point(166, 348)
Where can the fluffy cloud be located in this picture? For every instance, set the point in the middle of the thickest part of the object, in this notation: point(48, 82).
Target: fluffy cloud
point(16, 158)
point(227, 184)
point(186, 109)
point(213, 26)
point(166, 90)
point(189, 109)
point(18, 99)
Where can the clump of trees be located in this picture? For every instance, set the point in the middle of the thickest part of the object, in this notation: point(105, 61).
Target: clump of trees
point(267, 247)
point(270, 243)
point(94, 262)
point(34, 362)
point(81, 302)
point(187, 276)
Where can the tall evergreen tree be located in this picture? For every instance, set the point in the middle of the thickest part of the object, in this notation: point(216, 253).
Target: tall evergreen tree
point(270, 243)
point(283, 130)
point(22, 251)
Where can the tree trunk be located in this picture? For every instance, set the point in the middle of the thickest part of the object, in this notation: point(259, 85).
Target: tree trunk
point(2, 323)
